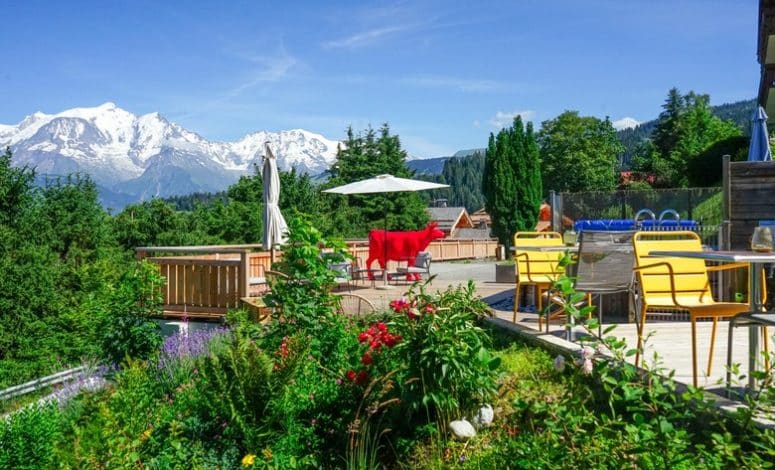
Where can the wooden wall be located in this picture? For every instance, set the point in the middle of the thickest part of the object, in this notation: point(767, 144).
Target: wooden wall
point(751, 198)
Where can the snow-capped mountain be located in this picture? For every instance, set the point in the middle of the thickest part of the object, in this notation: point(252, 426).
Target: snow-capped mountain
point(146, 156)
point(625, 123)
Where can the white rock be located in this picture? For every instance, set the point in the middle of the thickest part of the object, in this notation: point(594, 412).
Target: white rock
point(484, 417)
point(462, 429)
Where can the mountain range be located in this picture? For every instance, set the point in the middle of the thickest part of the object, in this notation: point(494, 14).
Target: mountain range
point(134, 158)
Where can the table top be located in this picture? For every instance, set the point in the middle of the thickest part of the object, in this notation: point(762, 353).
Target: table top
point(733, 256)
point(572, 249)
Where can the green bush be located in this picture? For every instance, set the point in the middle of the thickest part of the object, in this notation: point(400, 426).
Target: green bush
point(29, 437)
point(128, 329)
point(446, 367)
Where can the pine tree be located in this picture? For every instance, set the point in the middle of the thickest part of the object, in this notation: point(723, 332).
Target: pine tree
point(512, 181)
point(367, 155)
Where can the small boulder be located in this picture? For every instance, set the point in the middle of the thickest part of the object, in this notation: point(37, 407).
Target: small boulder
point(484, 417)
point(462, 429)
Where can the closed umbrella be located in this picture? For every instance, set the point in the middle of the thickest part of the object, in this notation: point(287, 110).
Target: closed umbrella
point(275, 227)
point(384, 184)
point(759, 151)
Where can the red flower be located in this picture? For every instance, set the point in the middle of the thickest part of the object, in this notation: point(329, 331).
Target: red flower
point(375, 344)
point(412, 313)
point(381, 327)
point(391, 340)
point(399, 305)
point(351, 375)
point(363, 376)
point(366, 359)
point(429, 309)
point(363, 337)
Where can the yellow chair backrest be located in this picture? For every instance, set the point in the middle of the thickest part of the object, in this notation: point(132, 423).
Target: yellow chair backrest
point(537, 266)
point(689, 276)
point(537, 239)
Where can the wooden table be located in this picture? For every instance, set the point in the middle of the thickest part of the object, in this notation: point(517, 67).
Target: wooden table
point(757, 261)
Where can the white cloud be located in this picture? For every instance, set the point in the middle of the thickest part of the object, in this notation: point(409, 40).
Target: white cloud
point(459, 84)
point(476, 123)
point(364, 38)
point(504, 119)
point(625, 123)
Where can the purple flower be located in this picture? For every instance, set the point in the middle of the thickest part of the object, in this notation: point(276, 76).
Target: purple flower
point(559, 363)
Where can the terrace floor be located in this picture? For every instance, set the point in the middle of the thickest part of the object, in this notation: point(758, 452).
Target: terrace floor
point(671, 340)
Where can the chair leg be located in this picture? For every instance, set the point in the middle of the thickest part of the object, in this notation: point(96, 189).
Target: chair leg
point(516, 305)
point(712, 344)
point(640, 333)
point(694, 351)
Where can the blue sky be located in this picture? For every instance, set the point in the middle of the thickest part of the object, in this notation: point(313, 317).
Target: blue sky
point(443, 74)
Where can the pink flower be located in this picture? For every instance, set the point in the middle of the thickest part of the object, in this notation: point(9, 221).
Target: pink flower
point(559, 363)
point(587, 352)
point(586, 367)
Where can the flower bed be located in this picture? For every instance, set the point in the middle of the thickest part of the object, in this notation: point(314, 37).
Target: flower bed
point(314, 389)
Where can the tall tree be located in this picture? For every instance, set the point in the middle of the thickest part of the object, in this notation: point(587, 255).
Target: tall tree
point(369, 154)
point(686, 129)
point(578, 153)
point(511, 181)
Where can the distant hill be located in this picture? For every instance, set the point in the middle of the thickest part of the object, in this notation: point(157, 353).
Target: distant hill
point(434, 166)
point(739, 113)
point(427, 166)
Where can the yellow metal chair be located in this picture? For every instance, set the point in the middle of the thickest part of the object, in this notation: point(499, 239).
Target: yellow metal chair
point(536, 268)
point(679, 284)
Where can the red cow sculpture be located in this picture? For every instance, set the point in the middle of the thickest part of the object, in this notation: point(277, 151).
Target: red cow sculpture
point(401, 246)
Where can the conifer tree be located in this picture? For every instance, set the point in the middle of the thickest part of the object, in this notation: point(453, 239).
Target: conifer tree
point(370, 154)
point(512, 181)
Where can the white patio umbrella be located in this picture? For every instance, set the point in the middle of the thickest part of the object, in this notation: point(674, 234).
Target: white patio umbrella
point(275, 227)
point(384, 184)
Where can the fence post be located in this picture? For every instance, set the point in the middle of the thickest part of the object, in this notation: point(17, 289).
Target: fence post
point(244, 273)
point(724, 242)
point(623, 201)
point(555, 203)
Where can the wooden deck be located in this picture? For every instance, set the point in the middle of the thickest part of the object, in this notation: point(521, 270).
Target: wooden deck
point(670, 340)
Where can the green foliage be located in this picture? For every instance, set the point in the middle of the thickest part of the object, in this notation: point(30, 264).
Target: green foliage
point(28, 437)
point(128, 329)
point(446, 368)
point(304, 297)
point(578, 153)
point(685, 131)
point(464, 177)
point(370, 154)
point(511, 181)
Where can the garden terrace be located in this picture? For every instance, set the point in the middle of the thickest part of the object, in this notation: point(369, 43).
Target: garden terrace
point(207, 281)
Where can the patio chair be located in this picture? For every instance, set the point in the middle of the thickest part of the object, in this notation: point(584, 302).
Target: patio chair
point(422, 265)
point(354, 304)
point(679, 284)
point(603, 266)
point(344, 274)
point(535, 268)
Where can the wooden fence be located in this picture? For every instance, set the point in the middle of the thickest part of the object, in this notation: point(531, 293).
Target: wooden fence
point(207, 281)
point(749, 192)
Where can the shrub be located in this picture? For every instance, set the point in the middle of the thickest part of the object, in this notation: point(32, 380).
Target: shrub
point(29, 436)
point(129, 332)
point(447, 368)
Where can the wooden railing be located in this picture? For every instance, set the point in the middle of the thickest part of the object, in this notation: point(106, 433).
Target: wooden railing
point(207, 281)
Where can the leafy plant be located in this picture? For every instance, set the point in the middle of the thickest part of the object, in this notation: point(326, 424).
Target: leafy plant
point(447, 369)
point(129, 332)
